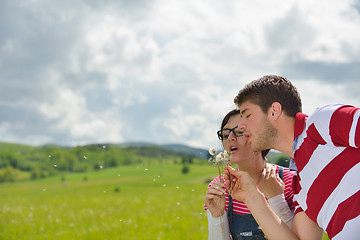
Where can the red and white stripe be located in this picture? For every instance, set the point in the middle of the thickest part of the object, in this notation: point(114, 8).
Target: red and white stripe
point(328, 162)
point(240, 207)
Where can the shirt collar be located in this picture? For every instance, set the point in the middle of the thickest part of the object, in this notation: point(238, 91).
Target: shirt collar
point(300, 120)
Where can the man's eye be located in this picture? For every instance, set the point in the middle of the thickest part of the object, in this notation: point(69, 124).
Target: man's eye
point(226, 135)
point(248, 116)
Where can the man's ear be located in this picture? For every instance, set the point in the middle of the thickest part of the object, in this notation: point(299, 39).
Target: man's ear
point(275, 110)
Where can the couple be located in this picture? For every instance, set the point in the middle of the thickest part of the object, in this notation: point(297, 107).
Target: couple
point(324, 155)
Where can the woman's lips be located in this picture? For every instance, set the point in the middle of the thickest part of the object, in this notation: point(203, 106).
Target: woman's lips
point(233, 149)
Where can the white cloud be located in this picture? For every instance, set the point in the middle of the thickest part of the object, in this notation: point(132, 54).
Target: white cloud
point(163, 71)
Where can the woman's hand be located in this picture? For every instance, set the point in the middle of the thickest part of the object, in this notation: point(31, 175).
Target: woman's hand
point(270, 183)
point(215, 198)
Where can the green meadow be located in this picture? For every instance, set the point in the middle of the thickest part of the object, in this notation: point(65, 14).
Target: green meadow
point(140, 201)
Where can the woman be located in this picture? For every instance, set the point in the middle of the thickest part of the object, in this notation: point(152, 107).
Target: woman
point(227, 215)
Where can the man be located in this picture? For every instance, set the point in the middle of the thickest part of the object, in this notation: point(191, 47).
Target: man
point(325, 153)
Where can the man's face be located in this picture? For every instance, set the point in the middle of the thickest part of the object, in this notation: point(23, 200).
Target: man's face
point(256, 125)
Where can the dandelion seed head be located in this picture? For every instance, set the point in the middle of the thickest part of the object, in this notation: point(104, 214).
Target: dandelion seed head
point(212, 151)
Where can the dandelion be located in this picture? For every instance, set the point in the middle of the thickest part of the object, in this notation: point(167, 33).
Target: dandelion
point(217, 159)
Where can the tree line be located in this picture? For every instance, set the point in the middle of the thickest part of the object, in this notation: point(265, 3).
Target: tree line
point(18, 162)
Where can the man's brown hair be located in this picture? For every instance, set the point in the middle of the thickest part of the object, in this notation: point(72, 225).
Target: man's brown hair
point(269, 89)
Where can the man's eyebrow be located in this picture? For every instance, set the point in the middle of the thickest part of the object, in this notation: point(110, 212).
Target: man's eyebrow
point(243, 111)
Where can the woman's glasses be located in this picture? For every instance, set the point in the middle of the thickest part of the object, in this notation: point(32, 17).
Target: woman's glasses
point(225, 133)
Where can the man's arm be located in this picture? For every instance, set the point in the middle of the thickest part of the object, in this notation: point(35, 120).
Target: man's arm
point(305, 228)
point(245, 190)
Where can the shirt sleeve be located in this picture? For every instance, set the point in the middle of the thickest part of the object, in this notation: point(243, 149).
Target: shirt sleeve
point(279, 205)
point(218, 227)
point(344, 126)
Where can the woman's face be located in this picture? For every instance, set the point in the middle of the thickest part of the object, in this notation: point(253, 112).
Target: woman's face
point(239, 147)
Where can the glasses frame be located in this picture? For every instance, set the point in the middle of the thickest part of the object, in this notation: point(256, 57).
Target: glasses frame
point(220, 135)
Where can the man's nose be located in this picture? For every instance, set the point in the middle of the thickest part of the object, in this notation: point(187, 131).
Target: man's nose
point(241, 125)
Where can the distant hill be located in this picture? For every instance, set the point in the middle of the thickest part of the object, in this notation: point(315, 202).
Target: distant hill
point(197, 152)
point(179, 148)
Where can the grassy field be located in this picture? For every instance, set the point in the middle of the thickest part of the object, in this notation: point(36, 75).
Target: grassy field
point(132, 202)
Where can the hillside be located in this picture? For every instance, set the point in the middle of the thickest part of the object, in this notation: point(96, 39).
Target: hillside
point(19, 162)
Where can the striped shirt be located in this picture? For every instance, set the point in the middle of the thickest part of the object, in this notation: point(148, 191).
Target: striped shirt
point(240, 207)
point(327, 182)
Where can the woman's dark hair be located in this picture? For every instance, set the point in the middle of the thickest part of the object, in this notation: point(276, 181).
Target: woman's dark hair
point(226, 120)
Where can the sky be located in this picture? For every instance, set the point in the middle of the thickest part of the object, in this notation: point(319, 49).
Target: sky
point(76, 72)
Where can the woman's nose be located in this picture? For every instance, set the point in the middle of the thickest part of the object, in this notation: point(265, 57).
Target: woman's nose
point(232, 136)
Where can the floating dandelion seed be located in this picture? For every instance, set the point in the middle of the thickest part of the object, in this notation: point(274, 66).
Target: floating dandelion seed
point(193, 190)
point(49, 156)
point(177, 217)
point(158, 176)
point(44, 189)
point(178, 203)
point(85, 157)
point(101, 166)
point(154, 179)
point(119, 174)
point(55, 165)
point(104, 191)
point(104, 146)
point(120, 220)
point(164, 185)
point(177, 186)
point(146, 169)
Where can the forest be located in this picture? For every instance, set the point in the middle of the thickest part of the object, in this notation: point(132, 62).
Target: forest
point(23, 162)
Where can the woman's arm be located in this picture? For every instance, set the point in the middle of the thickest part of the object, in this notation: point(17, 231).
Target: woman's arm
point(279, 205)
point(218, 227)
point(273, 188)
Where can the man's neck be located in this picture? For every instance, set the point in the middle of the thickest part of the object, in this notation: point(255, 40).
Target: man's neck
point(286, 135)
